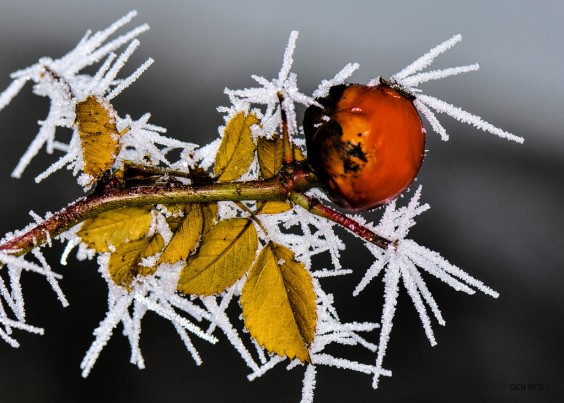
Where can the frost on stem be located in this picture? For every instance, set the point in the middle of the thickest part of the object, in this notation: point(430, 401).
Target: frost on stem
point(147, 253)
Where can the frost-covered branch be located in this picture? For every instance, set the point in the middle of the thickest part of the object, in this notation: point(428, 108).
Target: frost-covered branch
point(110, 198)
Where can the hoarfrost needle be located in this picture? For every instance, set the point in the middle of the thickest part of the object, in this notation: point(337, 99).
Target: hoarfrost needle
point(401, 262)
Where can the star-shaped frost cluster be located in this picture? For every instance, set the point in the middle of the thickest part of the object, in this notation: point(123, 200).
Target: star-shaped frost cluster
point(62, 82)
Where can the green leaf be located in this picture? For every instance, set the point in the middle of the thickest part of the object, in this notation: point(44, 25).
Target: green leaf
point(278, 302)
point(115, 227)
point(124, 264)
point(226, 253)
point(236, 151)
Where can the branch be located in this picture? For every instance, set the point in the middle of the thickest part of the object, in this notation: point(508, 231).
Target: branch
point(314, 206)
point(283, 186)
point(111, 197)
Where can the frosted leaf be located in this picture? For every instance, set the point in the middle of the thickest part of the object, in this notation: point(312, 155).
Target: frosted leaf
point(60, 80)
point(330, 330)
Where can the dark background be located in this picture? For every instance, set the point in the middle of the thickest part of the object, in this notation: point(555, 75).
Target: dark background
point(496, 206)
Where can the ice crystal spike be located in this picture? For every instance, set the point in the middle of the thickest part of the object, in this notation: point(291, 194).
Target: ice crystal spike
point(61, 82)
point(404, 263)
point(155, 293)
point(411, 76)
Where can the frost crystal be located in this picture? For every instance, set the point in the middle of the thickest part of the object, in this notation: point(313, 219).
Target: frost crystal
point(281, 92)
point(410, 77)
point(11, 295)
point(401, 262)
point(60, 81)
point(155, 293)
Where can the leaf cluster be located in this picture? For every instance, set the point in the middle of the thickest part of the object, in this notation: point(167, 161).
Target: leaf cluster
point(277, 299)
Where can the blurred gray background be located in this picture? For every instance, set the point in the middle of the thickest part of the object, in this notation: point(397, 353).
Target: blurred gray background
point(496, 206)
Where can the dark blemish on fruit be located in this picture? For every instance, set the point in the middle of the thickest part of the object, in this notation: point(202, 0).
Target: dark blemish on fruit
point(353, 156)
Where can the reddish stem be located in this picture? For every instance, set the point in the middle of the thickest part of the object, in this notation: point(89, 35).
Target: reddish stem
point(314, 206)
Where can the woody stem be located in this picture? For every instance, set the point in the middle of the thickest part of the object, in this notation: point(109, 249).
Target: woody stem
point(314, 206)
point(283, 186)
point(110, 198)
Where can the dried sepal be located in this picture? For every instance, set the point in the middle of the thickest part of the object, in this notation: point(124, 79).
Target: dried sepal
point(114, 227)
point(237, 149)
point(278, 302)
point(225, 254)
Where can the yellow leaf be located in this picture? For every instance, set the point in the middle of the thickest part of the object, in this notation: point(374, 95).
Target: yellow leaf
point(278, 303)
point(298, 154)
point(209, 211)
point(236, 151)
point(226, 253)
point(269, 154)
point(99, 137)
point(124, 265)
point(186, 236)
point(115, 227)
point(176, 217)
point(272, 207)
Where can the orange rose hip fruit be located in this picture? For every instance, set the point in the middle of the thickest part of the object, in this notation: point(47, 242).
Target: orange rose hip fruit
point(366, 144)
